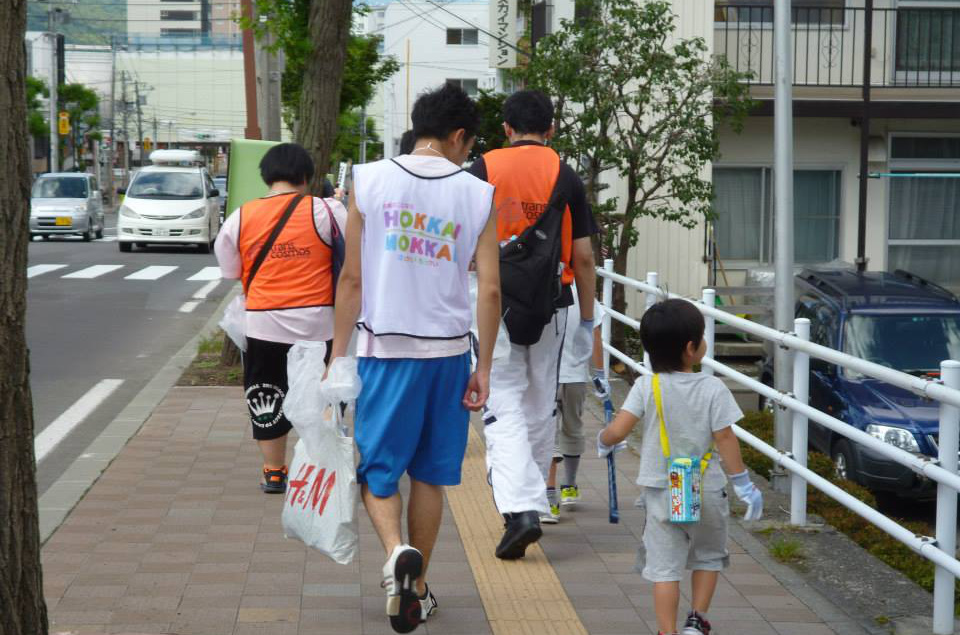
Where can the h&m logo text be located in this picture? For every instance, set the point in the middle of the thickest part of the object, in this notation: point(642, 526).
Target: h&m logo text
point(319, 489)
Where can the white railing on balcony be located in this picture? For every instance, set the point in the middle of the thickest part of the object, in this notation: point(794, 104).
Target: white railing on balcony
point(911, 46)
point(940, 549)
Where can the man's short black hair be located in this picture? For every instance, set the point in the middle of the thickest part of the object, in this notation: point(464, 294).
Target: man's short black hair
point(528, 112)
point(407, 142)
point(288, 162)
point(665, 330)
point(440, 112)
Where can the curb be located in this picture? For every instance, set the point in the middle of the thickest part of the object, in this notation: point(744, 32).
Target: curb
point(60, 499)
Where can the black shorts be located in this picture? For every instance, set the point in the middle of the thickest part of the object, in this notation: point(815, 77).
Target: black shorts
point(265, 386)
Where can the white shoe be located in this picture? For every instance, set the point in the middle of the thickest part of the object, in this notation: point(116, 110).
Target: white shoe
point(400, 574)
point(552, 517)
point(428, 605)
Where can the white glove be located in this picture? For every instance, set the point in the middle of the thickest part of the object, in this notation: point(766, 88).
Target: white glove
point(582, 347)
point(747, 492)
point(601, 387)
point(605, 450)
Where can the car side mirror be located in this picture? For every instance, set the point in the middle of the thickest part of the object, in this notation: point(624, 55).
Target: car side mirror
point(121, 190)
point(214, 192)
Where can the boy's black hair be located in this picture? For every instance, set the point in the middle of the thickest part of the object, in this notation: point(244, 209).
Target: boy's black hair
point(665, 329)
point(407, 142)
point(286, 162)
point(528, 112)
point(443, 110)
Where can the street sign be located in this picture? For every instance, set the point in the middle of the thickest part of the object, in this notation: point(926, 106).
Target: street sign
point(63, 123)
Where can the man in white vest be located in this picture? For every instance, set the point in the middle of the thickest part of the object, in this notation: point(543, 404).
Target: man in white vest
point(415, 223)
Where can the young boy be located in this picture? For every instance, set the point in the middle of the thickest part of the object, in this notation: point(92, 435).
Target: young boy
point(697, 414)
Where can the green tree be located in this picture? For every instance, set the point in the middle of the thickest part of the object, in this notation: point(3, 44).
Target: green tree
point(36, 122)
point(363, 67)
point(349, 136)
point(82, 105)
point(638, 103)
point(490, 135)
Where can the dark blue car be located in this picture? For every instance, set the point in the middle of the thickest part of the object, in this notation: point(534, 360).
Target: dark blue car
point(893, 319)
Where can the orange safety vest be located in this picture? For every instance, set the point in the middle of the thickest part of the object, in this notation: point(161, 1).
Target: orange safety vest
point(524, 177)
point(298, 271)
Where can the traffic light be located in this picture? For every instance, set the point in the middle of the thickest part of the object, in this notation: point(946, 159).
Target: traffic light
point(63, 123)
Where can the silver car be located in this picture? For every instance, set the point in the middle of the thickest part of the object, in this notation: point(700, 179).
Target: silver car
point(66, 203)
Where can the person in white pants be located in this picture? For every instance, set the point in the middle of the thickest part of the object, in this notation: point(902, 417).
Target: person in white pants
point(519, 421)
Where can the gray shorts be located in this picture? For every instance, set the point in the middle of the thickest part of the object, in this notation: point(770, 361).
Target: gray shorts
point(672, 547)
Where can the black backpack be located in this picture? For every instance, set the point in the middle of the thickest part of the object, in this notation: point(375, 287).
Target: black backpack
point(531, 288)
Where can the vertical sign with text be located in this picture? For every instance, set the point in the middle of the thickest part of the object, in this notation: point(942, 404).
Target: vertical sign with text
point(503, 29)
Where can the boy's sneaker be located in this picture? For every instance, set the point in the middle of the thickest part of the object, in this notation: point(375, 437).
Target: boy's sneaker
point(570, 496)
point(274, 481)
point(696, 624)
point(400, 574)
point(428, 605)
point(551, 518)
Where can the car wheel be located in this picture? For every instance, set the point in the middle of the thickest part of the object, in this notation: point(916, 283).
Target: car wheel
point(125, 247)
point(88, 235)
point(843, 463)
point(204, 248)
point(100, 232)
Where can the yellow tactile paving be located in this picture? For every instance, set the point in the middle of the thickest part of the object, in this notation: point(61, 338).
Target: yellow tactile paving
point(522, 597)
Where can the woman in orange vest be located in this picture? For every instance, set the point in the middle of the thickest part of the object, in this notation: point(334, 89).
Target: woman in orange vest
point(289, 294)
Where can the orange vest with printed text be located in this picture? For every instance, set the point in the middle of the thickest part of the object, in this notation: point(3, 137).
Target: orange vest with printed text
point(297, 273)
point(524, 177)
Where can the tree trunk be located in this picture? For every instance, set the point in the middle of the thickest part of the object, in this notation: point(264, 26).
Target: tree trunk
point(329, 28)
point(230, 355)
point(22, 609)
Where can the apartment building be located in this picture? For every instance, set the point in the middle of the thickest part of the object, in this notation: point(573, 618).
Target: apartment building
point(186, 18)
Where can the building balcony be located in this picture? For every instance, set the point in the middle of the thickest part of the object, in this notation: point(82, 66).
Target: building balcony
point(914, 55)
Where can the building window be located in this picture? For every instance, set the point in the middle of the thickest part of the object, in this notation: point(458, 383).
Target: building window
point(924, 219)
point(743, 205)
point(462, 36)
point(819, 12)
point(179, 15)
point(469, 86)
point(928, 40)
point(180, 32)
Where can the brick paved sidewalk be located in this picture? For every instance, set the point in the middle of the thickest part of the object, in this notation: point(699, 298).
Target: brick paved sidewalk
point(176, 538)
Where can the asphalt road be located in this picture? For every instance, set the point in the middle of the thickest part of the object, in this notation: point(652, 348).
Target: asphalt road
point(88, 324)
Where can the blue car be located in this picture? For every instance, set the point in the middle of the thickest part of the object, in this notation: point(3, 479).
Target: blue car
point(893, 319)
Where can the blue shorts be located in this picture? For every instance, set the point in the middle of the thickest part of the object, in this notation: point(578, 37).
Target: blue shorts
point(410, 418)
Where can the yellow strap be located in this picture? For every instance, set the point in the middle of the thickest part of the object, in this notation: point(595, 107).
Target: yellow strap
point(664, 438)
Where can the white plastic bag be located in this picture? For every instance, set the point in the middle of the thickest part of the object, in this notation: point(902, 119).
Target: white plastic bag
point(320, 505)
point(304, 403)
point(234, 321)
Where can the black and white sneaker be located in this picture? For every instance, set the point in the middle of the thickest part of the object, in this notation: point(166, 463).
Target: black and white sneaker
point(400, 574)
point(696, 624)
point(428, 604)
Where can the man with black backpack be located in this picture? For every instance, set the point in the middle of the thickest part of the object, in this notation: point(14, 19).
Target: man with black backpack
point(544, 227)
point(287, 249)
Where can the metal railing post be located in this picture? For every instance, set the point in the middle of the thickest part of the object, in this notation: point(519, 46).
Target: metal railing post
point(605, 323)
point(801, 392)
point(709, 298)
point(949, 445)
point(653, 279)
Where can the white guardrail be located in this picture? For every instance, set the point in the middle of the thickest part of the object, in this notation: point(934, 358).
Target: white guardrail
point(941, 550)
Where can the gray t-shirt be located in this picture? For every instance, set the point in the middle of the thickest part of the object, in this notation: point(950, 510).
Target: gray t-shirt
point(695, 406)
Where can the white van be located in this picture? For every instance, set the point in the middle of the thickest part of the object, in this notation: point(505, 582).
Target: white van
point(172, 201)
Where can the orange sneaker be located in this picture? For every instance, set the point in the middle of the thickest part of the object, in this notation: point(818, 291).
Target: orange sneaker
point(274, 480)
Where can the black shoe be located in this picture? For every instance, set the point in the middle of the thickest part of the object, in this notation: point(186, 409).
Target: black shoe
point(522, 529)
point(274, 481)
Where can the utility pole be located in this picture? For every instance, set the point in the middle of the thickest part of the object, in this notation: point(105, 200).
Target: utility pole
point(54, 111)
point(111, 186)
point(783, 204)
point(865, 138)
point(250, 74)
point(363, 134)
point(136, 90)
point(156, 135)
point(126, 136)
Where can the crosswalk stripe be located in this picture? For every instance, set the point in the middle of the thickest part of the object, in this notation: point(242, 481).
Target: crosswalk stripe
point(205, 290)
point(94, 271)
point(37, 270)
point(153, 272)
point(188, 307)
point(207, 273)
